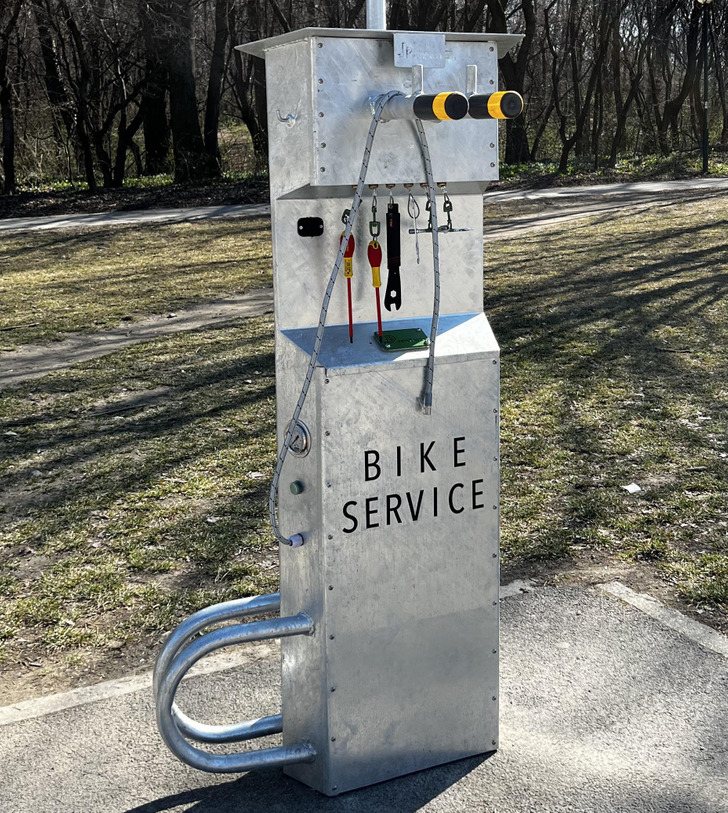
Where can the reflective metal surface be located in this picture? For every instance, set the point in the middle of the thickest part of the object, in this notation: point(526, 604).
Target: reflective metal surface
point(320, 83)
point(399, 510)
point(175, 727)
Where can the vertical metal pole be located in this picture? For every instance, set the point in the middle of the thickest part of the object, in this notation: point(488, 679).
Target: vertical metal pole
point(377, 15)
point(706, 11)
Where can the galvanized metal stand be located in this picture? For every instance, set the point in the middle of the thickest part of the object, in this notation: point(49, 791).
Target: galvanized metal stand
point(389, 583)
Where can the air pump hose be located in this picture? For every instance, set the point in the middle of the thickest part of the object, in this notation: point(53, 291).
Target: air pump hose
point(426, 400)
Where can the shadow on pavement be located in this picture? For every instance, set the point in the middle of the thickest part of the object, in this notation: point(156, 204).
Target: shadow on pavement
point(271, 791)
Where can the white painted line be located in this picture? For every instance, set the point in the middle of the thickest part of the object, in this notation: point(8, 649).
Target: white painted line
point(699, 633)
point(39, 707)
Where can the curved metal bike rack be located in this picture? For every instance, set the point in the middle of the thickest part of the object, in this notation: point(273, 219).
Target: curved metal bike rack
point(180, 653)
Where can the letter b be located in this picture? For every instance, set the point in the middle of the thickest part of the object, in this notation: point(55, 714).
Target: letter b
point(371, 464)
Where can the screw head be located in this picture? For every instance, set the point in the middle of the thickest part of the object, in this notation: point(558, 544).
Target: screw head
point(321, 81)
point(327, 433)
point(321, 115)
point(330, 536)
point(333, 688)
point(331, 637)
point(495, 651)
point(331, 587)
point(333, 739)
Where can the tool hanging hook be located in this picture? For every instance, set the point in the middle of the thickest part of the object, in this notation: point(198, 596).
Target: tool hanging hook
point(413, 210)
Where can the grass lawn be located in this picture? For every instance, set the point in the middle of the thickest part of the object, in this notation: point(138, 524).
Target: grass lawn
point(58, 282)
point(134, 487)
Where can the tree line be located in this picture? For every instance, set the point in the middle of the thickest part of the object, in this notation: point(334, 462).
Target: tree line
point(104, 89)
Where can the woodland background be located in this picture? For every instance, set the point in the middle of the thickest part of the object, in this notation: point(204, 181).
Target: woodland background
point(97, 92)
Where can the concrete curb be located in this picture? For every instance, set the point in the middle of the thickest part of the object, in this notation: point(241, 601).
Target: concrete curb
point(699, 633)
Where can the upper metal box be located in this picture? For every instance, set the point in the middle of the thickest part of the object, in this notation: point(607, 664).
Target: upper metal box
point(320, 86)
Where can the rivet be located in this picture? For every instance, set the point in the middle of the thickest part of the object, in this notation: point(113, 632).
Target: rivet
point(493, 742)
point(492, 164)
point(321, 115)
point(333, 688)
point(494, 651)
point(326, 380)
point(331, 637)
point(331, 587)
point(492, 145)
point(331, 536)
point(494, 361)
point(495, 603)
point(320, 45)
point(495, 508)
point(321, 81)
point(492, 81)
point(334, 787)
point(495, 411)
point(327, 433)
point(495, 555)
point(495, 459)
point(493, 697)
point(491, 48)
point(328, 485)
point(323, 145)
point(333, 739)
point(323, 169)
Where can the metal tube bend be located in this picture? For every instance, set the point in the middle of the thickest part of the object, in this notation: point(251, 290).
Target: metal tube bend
point(216, 614)
point(169, 680)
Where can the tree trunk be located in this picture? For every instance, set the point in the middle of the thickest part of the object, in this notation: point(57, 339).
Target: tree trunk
point(9, 18)
point(217, 72)
point(191, 162)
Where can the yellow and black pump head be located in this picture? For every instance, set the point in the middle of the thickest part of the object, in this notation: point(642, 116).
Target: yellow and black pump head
point(506, 104)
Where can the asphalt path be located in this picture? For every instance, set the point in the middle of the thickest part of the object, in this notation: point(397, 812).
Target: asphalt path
point(603, 709)
point(626, 193)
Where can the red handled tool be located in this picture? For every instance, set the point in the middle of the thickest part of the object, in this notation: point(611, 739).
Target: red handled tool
point(374, 252)
point(349, 273)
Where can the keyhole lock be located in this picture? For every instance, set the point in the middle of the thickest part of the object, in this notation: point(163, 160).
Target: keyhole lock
point(301, 440)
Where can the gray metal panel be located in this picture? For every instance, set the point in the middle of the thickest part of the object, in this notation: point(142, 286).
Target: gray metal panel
point(413, 609)
point(414, 605)
point(342, 97)
point(262, 48)
point(302, 265)
point(460, 337)
point(289, 78)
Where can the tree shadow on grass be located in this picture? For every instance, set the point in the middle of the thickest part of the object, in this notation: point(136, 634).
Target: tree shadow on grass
point(617, 335)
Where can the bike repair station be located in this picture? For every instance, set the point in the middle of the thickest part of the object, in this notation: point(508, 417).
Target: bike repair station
point(385, 497)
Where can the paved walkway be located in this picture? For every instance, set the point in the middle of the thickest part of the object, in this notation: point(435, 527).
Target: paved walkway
point(145, 216)
point(604, 709)
point(624, 191)
point(34, 361)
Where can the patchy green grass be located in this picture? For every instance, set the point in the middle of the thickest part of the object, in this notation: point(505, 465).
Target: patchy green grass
point(615, 346)
point(628, 169)
point(63, 281)
point(134, 487)
point(134, 490)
